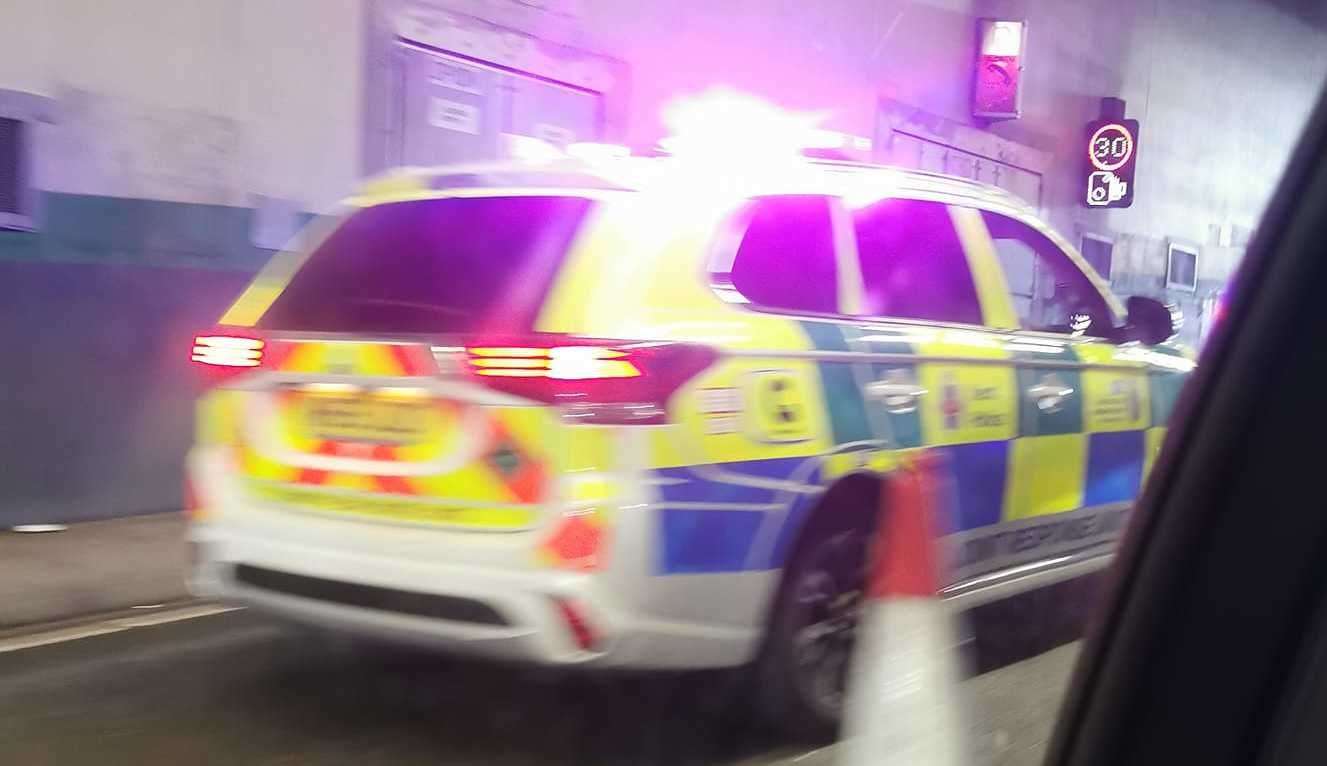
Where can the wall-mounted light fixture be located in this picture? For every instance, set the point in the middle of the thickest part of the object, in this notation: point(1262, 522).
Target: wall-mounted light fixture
point(998, 85)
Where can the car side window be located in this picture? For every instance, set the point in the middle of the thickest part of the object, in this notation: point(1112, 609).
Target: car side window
point(785, 260)
point(1050, 293)
point(913, 265)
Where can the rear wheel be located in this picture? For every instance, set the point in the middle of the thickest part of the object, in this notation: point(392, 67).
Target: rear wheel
point(803, 669)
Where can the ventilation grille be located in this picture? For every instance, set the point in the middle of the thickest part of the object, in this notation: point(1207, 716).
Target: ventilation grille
point(453, 608)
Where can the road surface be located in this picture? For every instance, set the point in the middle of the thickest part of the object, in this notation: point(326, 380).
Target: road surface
point(235, 688)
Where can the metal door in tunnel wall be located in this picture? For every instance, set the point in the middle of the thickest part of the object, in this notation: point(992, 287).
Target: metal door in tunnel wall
point(451, 109)
point(551, 111)
point(455, 110)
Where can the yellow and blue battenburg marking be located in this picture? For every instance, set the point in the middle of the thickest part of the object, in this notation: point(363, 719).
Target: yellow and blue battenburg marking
point(709, 524)
point(1031, 428)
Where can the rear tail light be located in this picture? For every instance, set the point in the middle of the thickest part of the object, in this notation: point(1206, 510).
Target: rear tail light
point(226, 352)
point(555, 363)
point(594, 381)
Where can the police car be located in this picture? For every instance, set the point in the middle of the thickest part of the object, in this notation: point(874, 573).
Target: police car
point(635, 413)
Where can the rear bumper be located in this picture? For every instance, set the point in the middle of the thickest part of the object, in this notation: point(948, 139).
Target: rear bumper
point(526, 627)
point(461, 609)
point(479, 593)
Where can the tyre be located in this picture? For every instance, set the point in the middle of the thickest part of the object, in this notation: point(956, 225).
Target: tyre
point(803, 668)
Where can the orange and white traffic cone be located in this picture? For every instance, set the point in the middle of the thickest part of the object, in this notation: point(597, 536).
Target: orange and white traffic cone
point(903, 702)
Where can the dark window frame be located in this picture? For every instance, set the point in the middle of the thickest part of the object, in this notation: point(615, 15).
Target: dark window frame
point(27, 111)
point(722, 257)
point(943, 209)
point(1108, 331)
point(1089, 236)
point(1171, 249)
point(13, 142)
point(314, 274)
point(731, 232)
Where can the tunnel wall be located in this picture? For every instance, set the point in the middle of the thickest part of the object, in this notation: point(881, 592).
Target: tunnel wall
point(96, 391)
point(201, 101)
point(179, 134)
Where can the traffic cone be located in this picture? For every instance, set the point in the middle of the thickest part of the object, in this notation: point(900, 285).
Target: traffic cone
point(903, 702)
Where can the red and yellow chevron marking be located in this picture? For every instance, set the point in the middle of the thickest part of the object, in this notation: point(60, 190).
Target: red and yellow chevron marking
point(524, 476)
point(381, 483)
point(506, 471)
point(396, 507)
point(351, 358)
point(439, 418)
point(510, 467)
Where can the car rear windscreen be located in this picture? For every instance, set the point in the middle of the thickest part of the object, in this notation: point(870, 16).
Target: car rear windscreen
point(454, 265)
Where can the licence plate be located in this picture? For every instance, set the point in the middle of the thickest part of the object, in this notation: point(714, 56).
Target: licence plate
point(366, 419)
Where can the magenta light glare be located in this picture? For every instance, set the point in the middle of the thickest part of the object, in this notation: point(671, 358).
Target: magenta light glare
point(530, 149)
point(867, 190)
point(591, 152)
point(721, 123)
point(819, 138)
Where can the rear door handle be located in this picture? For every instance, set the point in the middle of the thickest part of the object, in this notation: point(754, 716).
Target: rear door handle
point(1049, 398)
point(898, 398)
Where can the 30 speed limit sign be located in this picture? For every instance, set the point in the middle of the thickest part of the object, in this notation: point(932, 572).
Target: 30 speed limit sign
point(1110, 147)
point(1112, 154)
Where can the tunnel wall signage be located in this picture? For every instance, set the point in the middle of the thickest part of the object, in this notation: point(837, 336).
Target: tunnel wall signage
point(1112, 155)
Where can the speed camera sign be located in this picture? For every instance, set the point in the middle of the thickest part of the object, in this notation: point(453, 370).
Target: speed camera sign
point(1112, 153)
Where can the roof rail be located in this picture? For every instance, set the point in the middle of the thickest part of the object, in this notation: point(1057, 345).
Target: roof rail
point(957, 181)
point(576, 173)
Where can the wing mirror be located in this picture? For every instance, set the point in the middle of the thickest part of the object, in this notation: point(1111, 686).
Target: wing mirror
point(1150, 321)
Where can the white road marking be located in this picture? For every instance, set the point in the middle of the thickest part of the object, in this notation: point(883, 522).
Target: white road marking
point(37, 528)
point(115, 625)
